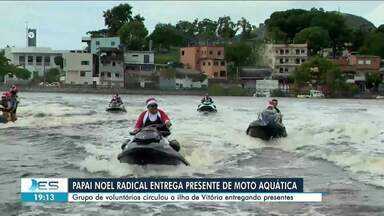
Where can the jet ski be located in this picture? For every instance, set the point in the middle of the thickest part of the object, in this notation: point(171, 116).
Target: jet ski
point(206, 106)
point(267, 126)
point(116, 107)
point(3, 119)
point(150, 146)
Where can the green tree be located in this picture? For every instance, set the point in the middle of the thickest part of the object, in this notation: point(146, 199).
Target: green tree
point(283, 26)
point(288, 22)
point(22, 73)
point(237, 54)
point(165, 36)
point(206, 30)
point(98, 33)
point(187, 29)
point(4, 65)
point(317, 38)
point(373, 80)
point(53, 75)
point(373, 44)
point(357, 38)
point(58, 61)
point(116, 17)
point(133, 34)
point(319, 72)
point(226, 29)
point(381, 28)
point(246, 28)
point(334, 23)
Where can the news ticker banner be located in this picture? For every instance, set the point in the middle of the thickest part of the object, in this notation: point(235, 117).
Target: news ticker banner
point(165, 190)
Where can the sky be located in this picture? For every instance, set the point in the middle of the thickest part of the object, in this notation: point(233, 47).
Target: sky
point(61, 24)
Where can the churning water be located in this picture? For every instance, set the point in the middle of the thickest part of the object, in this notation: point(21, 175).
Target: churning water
point(337, 146)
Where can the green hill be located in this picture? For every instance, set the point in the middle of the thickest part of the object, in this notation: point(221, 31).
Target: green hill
point(356, 22)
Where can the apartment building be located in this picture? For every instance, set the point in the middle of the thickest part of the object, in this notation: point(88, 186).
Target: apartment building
point(285, 58)
point(209, 60)
point(77, 67)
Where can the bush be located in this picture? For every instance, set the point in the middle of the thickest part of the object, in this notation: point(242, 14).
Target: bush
point(236, 91)
point(219, 90)
point(216, 89)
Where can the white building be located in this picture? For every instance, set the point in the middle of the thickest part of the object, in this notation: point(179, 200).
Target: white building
point(78, 68)
point(139, 60)
point(285, 58)
point(38, 59)
point(102, 42)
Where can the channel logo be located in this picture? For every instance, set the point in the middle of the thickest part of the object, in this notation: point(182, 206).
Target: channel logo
point(44, 185)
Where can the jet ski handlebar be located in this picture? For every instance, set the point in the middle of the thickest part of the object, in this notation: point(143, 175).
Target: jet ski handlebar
point(158, 127)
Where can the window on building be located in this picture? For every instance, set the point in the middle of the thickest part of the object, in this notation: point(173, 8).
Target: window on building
point(47, 60)
point(297, 51)
point(360, 62)
point(281, 70)
point(368, 62)
point(302, 60)
point(146, 59)
point(102, 74)
point(209, 63)
point(135, 55)
point(297, 61)
point(109, 74)
point(210, 52)
point(286, 51)
point(113, 64)
point(85, 83)
point(215, 74)
point(222, 74)
point(302, 51)
point(203, 62)
point(277, 51)
point(222, 63)
point(281, 51)
point(281, 61)
point(182, 52)
point(286, 60)
point(84, 62)
point(30, 60)
point(112, 43)
point(286, 70)
point(218, 53)
point(117, 75)
point(22, 60)
point(216, 63)
point(82, 73)
point(39, 60)
point(97, 43)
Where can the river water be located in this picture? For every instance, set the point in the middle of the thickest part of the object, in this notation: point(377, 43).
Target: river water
point(337, 146)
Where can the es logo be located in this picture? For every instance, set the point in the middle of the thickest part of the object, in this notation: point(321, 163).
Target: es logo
point(44, 185)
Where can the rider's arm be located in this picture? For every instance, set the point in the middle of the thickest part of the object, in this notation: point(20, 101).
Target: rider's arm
point(165, 118)
point(139, 121)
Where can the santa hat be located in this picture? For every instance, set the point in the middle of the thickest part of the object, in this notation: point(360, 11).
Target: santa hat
point(151, 101)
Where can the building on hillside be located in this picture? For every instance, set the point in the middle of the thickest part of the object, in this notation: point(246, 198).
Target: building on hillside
point(39, 59)
point(78, 68)
point(355, 67)
point(209, 60)
point(284, 59)
point(139, 60)
point(183, 79)
point(249, 75)
point(110, 67)
point(139, 69)
point(96, 43)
